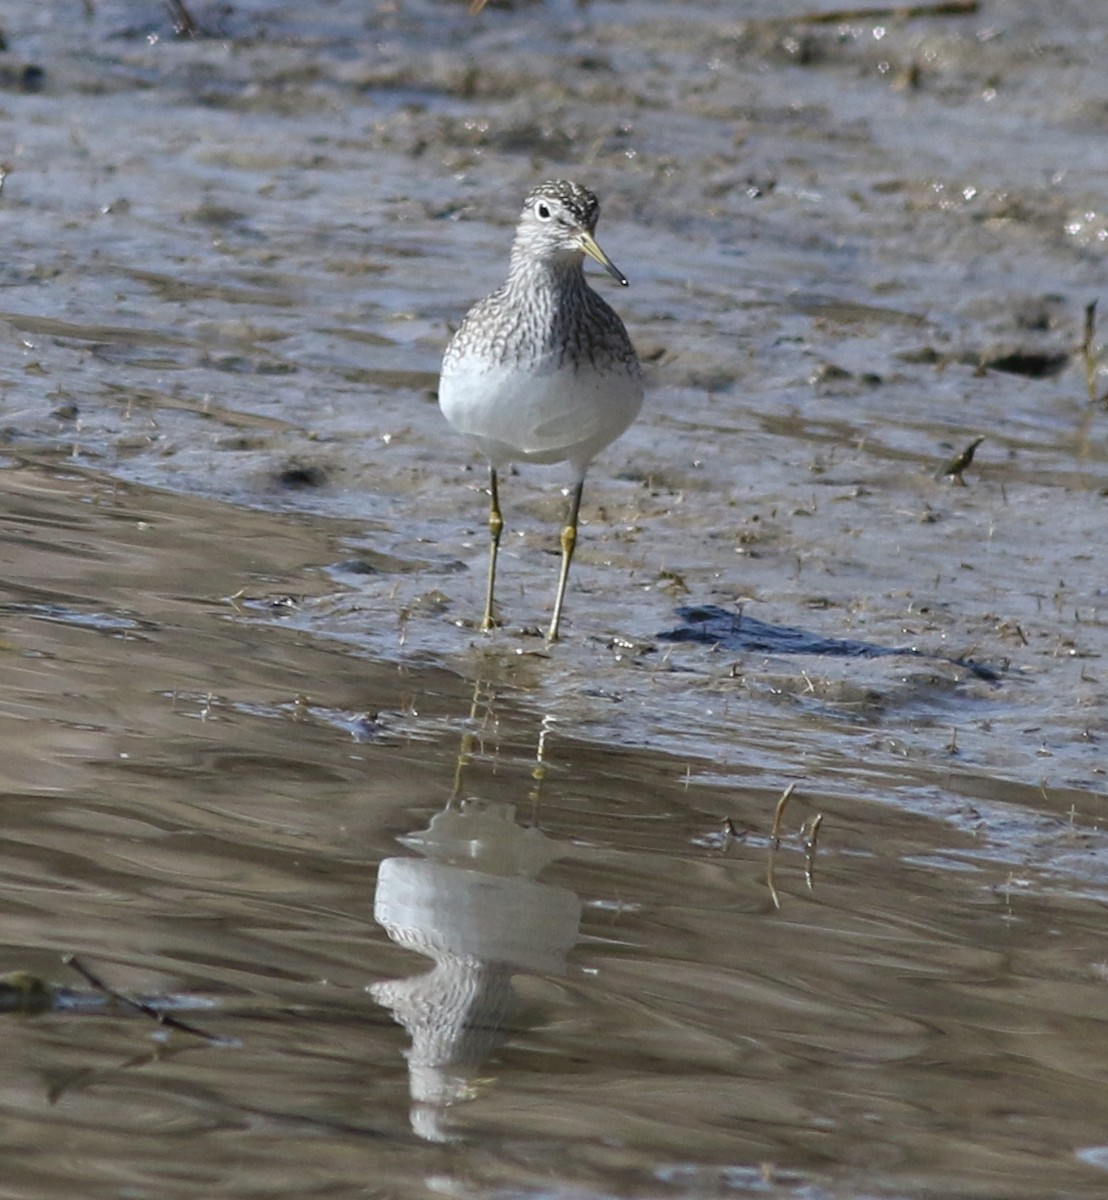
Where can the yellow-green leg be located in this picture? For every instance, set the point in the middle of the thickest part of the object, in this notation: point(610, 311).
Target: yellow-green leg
point(496, 528)
point(569, 541)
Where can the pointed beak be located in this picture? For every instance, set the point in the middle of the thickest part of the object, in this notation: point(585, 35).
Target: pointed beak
point(587, 243)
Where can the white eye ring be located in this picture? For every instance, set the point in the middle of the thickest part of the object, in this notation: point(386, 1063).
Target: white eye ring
point(542, 210)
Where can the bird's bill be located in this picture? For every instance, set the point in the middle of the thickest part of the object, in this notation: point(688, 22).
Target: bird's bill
point(587, 243)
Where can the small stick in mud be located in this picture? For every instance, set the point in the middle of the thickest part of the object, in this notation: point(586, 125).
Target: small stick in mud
point(810, 844)
point(775, 842)
point(183, 24)
point(163, 1018)
point(960, 462)
point(898, 12)
point(779, 812)
point(1088, 352)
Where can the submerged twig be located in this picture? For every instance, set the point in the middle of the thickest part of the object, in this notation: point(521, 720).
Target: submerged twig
point(775, 842)
point(148, 1010)
point(960, 462)
point(810, 845)
point(897, 12)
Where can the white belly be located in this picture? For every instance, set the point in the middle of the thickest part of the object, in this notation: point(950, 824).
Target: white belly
point(556, 414)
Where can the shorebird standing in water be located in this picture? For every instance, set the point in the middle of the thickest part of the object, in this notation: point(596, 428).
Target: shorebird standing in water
point(542, 370)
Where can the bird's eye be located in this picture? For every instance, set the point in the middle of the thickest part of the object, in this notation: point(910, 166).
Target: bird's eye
point(542, 210)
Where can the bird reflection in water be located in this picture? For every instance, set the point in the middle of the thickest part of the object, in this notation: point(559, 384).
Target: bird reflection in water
point(471, 902)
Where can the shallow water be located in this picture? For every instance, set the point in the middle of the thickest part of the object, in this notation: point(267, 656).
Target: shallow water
point(241, 556)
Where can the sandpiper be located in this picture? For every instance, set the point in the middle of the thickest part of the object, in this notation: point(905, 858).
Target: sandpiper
point(542, 370)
